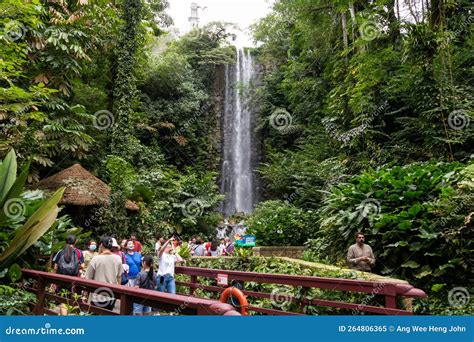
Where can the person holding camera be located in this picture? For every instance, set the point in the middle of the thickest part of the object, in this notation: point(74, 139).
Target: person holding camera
point(167, 259)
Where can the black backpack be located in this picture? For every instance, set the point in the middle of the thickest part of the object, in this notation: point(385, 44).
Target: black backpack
point(68, 268)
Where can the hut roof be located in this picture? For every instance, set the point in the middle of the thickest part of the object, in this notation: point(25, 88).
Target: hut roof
point(82, 188)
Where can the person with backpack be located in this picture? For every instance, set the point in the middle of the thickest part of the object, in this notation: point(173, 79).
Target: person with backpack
point(200, 249)
point(214, 249)
point(146, 279)
point(105, 267)
point(134, 262)
point(69, 260)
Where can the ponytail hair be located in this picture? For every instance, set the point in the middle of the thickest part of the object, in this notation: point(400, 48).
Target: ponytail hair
point(148, 261)
point(68, 249)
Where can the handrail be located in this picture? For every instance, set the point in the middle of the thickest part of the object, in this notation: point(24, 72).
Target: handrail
point(127, 295)
point(390, 290)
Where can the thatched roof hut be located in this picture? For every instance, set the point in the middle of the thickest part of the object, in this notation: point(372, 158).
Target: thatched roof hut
point(82, 188)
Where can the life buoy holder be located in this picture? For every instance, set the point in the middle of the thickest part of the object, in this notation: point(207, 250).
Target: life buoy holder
point(233, 291)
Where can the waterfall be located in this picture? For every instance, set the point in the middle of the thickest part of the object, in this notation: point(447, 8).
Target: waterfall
point(237, 176)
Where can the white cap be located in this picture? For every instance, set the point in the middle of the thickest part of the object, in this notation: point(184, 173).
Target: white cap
point(114, 243)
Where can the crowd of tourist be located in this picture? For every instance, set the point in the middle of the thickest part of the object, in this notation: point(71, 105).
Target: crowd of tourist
point(113, 263)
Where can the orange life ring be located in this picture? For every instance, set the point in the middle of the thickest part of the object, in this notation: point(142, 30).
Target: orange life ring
point(233, 291)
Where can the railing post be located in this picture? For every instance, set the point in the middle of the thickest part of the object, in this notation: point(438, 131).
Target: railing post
point(126, 305)
point(194, 281)
point(39, 307)
point(304, 296)
point(391, 297)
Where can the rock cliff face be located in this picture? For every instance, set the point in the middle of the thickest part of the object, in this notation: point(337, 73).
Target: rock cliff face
point(218, 102)
point(235, 135)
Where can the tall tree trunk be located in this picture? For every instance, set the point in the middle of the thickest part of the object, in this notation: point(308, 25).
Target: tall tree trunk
point(435, 13)
point(394, 24)
point(353, 18)
point(345, 34)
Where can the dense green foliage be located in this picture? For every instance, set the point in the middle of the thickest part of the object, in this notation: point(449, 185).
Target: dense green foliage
point(25, 217)
point(366, 120)
point(278, 223)
point(365, 124)
point(107, 87)
point(412, 215)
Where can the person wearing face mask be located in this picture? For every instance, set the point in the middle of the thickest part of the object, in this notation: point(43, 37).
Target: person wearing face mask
point(134, 262)
point(90, 252)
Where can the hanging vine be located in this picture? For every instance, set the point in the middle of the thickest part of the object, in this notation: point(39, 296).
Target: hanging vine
point(125, 88)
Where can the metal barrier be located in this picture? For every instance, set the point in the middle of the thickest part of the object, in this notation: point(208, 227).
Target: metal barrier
point(389, 290)
point(180, 304)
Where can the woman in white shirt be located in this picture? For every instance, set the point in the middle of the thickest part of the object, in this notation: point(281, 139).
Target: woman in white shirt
point(167, 259)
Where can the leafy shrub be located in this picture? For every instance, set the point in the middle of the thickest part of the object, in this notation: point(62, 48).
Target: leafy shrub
point(14, 300)
point(278, 223)
point(415, 217)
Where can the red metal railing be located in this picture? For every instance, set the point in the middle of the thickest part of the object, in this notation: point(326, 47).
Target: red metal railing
point(389, 290)
point(184, 305)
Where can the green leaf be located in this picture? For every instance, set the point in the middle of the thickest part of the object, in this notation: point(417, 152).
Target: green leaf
point(7, 174)
point(437, 287)
point(14, 272)
point(15, 191)
point(411, 264)
point(414, 209)
point(32, 230)
point(404, 225)
point(425, 270)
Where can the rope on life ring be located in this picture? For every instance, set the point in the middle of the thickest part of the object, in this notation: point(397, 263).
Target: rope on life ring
point(233, 291)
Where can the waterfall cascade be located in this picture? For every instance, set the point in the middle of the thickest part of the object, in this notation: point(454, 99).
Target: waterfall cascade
point(237, 175)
